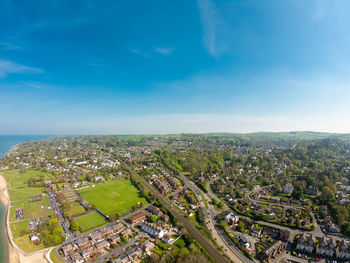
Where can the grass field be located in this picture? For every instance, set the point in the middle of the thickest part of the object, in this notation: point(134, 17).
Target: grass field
point(89, 221)
point(20, 193)
point(113, 197)
point(24, 243)
point(18, 226)
point(76, 209)
point(54, 258)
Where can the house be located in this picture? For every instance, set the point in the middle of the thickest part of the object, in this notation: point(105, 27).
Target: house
point(167, 239)
point(134, 253)
point(343, 250)
point(75, 184)
point(244, 241)
point(148, 246)
point(139, 217)
point(312, 190)
point(152, 230)
point(164, 217)
point(34, 238)
point(126, 233)
point(96, 237)
point(306, 243)
point(67, 249)
point(231, 219)
point(288, 188)
point(86, 253)
point(102, 245)
point(117, 228)
point(333, 228)
point(326, 247)
point(255, 232)
point(83, 243)
point(271, 216)
point(272, 251)
point(114, 239)
point(154, 210)
point(284, 235)
point(77, 258)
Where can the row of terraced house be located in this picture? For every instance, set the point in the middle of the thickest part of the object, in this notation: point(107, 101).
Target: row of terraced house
point(324, 246)
point(96, 243)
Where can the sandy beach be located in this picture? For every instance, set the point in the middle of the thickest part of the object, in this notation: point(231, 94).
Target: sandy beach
point(15, 254)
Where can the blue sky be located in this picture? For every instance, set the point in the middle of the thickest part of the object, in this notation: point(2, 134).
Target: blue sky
point(78, 67)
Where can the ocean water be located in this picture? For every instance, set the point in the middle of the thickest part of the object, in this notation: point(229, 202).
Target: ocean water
point(6, 143)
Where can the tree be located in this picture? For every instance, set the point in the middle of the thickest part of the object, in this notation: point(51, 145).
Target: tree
point(74, 226)
point(240, 226)
point(327, 195)
point(153, 218)
point(278, 187)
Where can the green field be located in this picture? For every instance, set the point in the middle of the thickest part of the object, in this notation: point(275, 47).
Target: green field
point(54, 258)
point(20, 193)
point(17, 227)
point(113, 197)
point(24, 243)
point(89, 221)
point(76, 209)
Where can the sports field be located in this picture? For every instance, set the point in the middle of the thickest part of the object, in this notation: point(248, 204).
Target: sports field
point(113, 197)
point(89, 221)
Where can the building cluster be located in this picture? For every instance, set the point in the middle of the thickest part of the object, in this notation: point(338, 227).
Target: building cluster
point(324, 246)
point(268, 254)
point(164, 182)
point(95, 244)
point(343, 196)
point(134, 253)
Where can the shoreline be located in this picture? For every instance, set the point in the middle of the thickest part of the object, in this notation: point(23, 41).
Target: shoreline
point(15, 254)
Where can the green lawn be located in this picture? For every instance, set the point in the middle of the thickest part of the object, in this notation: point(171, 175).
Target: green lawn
point(18, 226)
point(76, 209)
point(24, 243)
point(54, 258)
point(89, 221)
point(18, 187)
point(113, 197)
point(20, 193)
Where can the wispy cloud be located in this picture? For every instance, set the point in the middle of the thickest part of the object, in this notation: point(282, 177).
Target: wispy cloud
point(9, 67)
point(9, 46)
point(210, 22)
point(139, 52)
point(165, 51)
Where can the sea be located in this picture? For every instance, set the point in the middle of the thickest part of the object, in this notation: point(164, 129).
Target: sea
point(6, 143)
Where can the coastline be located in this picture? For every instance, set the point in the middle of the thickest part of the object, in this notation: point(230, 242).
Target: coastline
point(16, 255)
point(13, 255)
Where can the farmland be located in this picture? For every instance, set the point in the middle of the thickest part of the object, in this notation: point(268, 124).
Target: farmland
point(89, 221)
point(113, 197)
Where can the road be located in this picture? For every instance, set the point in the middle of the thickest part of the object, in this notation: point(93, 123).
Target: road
point(63, 222)
point(220, 237)
point(191, 229)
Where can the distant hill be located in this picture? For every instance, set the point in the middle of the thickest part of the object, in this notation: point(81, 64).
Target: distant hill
point(278, 136)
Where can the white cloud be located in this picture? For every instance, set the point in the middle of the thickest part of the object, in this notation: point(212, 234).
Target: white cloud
point(210, 22)
point(9, 67)
point(138, 52)
point(165, 51)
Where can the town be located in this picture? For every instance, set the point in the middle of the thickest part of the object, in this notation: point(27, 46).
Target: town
point(217, 198)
